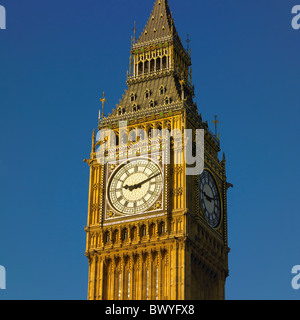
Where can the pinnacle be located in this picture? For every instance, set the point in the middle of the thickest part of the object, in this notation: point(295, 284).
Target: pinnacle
point(160, 26)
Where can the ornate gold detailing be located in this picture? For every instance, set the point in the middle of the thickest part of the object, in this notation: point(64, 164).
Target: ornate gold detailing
point(103, 100)
point(168, 251)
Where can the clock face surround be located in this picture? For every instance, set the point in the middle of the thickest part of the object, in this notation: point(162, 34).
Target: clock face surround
point(134, 186)
point(210, 199)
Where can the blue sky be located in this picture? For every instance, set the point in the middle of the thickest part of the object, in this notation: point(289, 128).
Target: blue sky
point(56, 59)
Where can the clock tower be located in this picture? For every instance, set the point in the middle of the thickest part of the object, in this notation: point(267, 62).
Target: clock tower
point(155, 232)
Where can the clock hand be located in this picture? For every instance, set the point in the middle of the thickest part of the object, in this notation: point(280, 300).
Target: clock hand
point(211, 199)
point(130, 188)
point(139, 185)
point(127, 187)
point(208, 197)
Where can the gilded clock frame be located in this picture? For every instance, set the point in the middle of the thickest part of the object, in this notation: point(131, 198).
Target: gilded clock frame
point(112, 214)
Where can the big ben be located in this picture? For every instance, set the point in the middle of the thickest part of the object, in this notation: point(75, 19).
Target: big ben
point(155, 232)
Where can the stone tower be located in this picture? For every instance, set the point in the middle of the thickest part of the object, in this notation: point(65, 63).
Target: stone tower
point(153, 231)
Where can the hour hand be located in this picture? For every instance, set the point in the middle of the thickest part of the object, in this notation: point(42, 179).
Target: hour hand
point(130, 188)
point(208, 197)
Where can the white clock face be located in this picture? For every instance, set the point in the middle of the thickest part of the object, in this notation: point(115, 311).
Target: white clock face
point(210, 200)
point(134, 186)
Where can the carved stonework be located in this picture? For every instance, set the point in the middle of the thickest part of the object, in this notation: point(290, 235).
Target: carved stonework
point(168, 250)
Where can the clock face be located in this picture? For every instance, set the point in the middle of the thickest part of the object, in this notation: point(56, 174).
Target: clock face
point(210, 200)
point(134, 186)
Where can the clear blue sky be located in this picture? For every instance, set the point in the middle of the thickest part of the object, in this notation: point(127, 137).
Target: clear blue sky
point(56, 58)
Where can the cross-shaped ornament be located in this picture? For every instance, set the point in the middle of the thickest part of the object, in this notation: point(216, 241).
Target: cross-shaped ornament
point(188, 40)
point(216, 122)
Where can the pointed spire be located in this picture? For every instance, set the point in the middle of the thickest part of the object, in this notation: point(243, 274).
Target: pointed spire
point(223, 162)
point(134, 29)
point(160, 25)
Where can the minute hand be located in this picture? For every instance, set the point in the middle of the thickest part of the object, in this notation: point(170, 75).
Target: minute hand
point(143, 182)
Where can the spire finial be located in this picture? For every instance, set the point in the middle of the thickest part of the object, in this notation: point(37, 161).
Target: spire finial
point(134, 29)
point(188, 40)
point(103, 100)
point(224, 158)
point(216, 122)
point(172, 23)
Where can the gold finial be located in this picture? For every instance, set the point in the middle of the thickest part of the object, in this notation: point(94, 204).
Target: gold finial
point(216, 122)
point(103, 100)
point(134, 31)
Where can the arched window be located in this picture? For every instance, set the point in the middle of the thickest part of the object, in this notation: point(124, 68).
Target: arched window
point(151, 103)
point(152, 65)
point(132, 96)
point(167, 100)
point(143, 231)
point(116, 236)
point(134, 107)
point(164, 62)
point(152, 230)
point(106, 237)
point(162, 90)
point(147, 94)
point(140, 68)
point(162, 228)
point(120, 111)
point(125, 234)
point(146, 66)
point(134, 233)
